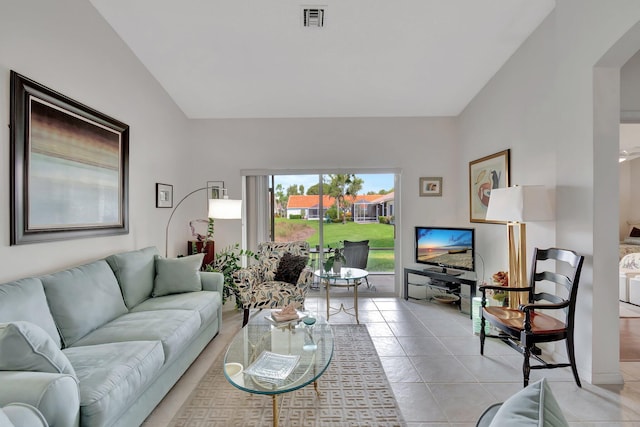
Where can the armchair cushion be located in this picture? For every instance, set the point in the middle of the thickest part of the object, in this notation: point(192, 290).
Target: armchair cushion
point(257, 285)
point(290, 267)
point(24, 346)
point(177, 275)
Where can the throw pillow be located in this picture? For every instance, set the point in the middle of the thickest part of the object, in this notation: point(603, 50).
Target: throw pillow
point(290, 267)
point(534, 405)
point(632, 240)
point(635, 232)
point(24, 346)
point(177, 275)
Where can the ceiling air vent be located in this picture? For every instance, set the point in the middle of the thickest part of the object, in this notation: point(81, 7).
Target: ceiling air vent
point(313, 17)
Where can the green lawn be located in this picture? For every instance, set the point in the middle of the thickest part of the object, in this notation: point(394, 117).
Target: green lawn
point(379, 236)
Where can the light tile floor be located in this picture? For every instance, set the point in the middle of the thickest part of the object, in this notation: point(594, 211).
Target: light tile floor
point(431, 358)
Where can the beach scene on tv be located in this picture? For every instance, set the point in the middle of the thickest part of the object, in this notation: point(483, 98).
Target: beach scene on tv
point(445, 246)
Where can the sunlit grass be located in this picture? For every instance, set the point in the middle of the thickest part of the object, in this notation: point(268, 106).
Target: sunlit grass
point(379, 236)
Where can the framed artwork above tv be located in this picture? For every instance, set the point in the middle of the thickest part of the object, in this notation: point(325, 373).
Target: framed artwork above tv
point(485, 174)
point(69, 167)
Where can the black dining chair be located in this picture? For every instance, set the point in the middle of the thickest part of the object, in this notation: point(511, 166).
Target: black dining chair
point(357, 255)
point(524, 327)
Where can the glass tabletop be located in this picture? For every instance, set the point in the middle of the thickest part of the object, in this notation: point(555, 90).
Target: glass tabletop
point(266, 357)
point(346, 273)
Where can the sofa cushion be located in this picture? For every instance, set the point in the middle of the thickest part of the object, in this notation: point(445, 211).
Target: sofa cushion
point(112, 376)
point(174, 328)
point(83, 298)
point(24, 346)
point(534, 405)
point(205, 303)
point(135, 271)
point(176, 275)
point(25, 300)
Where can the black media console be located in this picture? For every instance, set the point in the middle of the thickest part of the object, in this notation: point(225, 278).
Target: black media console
point(460, 284)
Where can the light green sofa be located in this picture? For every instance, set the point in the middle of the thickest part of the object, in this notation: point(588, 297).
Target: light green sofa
point(21, 415)
point(102, 343)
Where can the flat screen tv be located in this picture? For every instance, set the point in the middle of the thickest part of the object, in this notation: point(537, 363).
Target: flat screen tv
point(446, 247)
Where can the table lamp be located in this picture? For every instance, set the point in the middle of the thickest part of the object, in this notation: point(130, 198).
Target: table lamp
point(517, 205)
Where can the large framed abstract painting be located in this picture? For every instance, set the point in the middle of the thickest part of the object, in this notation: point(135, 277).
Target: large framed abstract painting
point(485, 174)
point(69, 167)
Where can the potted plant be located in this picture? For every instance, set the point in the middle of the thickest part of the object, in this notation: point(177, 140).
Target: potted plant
point(335, 259)
point(227, 261)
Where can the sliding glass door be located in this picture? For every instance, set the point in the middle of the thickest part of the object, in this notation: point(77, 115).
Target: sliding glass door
point(328, 209)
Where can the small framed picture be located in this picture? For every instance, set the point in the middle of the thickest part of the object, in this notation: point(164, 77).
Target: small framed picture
point(164, 195)
point(430, 186)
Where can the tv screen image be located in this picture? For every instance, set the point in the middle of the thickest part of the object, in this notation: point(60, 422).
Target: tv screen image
point(446, 247)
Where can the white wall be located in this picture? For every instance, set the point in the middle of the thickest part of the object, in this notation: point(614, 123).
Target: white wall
point(542, 105)
point(418, 146)
point(68, 47)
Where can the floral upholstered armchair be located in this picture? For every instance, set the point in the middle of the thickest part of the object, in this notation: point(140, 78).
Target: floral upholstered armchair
point(279, 278)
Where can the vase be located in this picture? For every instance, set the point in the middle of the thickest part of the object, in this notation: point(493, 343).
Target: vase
point(337, 265)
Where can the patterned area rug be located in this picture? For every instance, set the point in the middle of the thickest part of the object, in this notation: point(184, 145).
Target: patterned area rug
point(354, 391)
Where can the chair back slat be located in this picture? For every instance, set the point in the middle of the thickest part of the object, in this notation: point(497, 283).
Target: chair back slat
point(571, 267)
point(546, 296)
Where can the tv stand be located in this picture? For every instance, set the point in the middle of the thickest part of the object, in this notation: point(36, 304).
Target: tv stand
point(462, 284)
point(444, 270)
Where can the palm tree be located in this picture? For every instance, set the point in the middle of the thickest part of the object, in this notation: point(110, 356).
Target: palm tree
point(342, 185)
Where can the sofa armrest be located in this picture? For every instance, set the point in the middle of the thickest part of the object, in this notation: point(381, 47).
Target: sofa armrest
point(212, 281)
point(21, 415)
point(56, 396)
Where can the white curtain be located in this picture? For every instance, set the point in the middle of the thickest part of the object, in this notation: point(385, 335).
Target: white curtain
point(256, 216)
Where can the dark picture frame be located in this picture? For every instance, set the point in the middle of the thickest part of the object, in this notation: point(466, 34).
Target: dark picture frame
point(485, 174)
point(69, 167)
point(164, 195)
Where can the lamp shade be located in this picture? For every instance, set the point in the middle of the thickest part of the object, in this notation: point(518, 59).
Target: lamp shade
point(225, 209)
point(519, 204)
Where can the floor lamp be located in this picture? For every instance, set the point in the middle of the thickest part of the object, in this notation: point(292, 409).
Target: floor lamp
point(517, 205)
point(219, 207)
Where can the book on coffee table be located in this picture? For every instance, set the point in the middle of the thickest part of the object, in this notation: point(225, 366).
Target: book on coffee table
point(273, 366)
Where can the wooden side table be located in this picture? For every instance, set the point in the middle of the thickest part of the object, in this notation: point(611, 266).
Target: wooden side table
point(209, 252)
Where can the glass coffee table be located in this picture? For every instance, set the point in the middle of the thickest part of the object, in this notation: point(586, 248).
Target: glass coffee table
point(347, 278)
point(270, 358)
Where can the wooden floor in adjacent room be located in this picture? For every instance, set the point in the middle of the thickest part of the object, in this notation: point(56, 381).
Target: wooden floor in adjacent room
point(629, 332)
point(630, 339)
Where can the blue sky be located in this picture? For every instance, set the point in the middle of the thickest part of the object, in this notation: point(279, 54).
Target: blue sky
point(372, 182)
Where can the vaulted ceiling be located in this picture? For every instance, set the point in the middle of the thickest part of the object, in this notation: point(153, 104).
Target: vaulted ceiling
point(371, 58)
